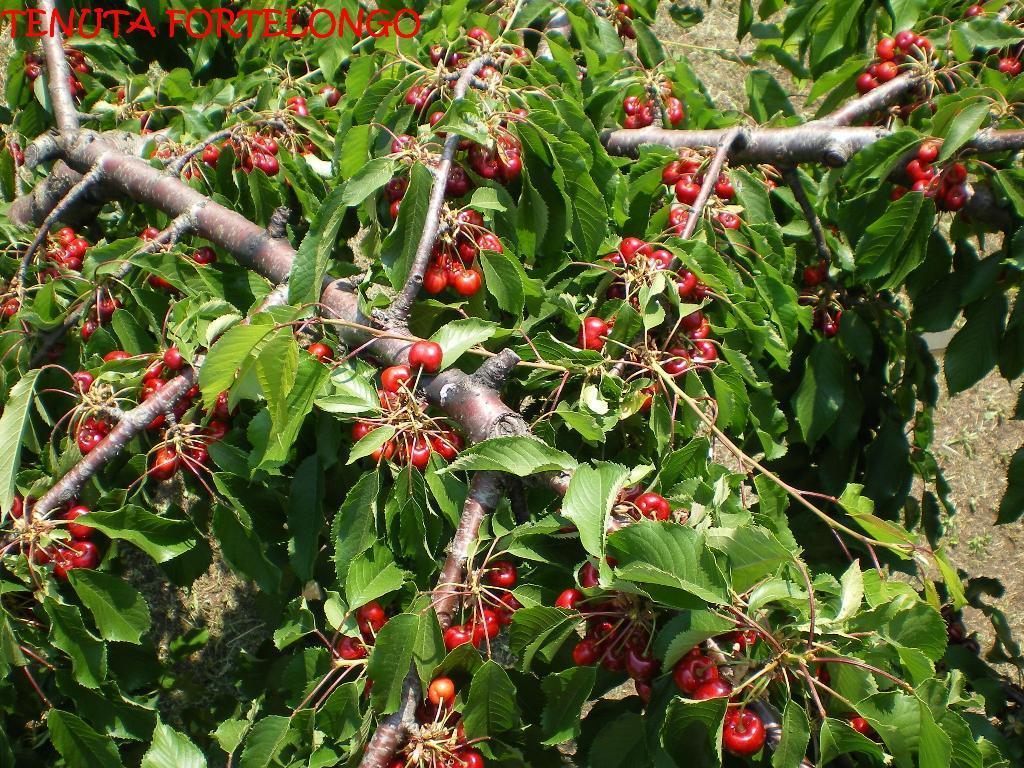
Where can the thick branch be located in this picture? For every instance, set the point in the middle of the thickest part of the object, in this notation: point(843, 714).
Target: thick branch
point(398, 314)
point(392, 730)
point(58, 73)
point(484, 494)
point(133, 423)
point(877, 100)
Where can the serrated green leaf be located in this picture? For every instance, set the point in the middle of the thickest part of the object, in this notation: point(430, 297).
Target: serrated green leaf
point(120, 612)
point(80, 745)
point(520, 456)
point(13, 420)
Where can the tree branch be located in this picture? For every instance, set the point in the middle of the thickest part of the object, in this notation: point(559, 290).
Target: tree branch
point(133, 423)
point(876, 100)
point(397, 315)
point(392, 730)
point(58, 73)
point(792, 178)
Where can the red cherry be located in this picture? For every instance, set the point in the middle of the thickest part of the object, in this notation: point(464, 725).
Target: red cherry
point(467, 282)
point(87, 439)
point(585, 653)
point(435, 280)
point(65, 235)
point(331, 95)
point(687, 189)
point(886, 49)
point(678, 361)
point(469, 758)
point(654, 505)
point(204, 255)
point(457, 635)
point(928, 152)
point(862, 726)
point(886, 71)
point(866, 82)
point(352, 648)
point(149, 233)
point(640, 665)
point(371, 618)
point(211, 154)
point(419, 452)
point(569, 599)
point(488, 626)
point(479, 36)
point(441, 691)
point(173, 359)
point(77, 248)
point(705, 352)
point(488, 241)
point(954, 198)
point(630, 247)
point(447, 443)
point(426, 355)
point(729, 220)
point(502, 574)
point(724, 188)
point(266, 163)
point(671, 173)
point(591, 334)
point(956, 174)
point(743, 732)
point(588, 576)
point(78, 530)
point(691, 672)
point(674, 110)
point(320, 351)
point(1010, 66)
point(712, 689)
point(905, 40)
point(165, 463)
point(392, 378)
point(83, 381)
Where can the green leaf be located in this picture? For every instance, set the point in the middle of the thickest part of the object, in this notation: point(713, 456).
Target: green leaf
point(685, 631)
point(692, 732)
point(838, 738)
point(820, 397)
point(491, 707)
point(391, 659)
point(120, 612)
point(957, 122)
point(503, 278)
point(371, 177)
point(540, 630)
point(565, 693)
point(666, 554)
point(973, 351)
point(589, 499)
point(349, 392)
point(68, 633)
point(796, 734)
point(371, 575)
point(171, 749)
point(265, 742)
point(766, 97)
point(370, 442)
point(13, 420)
point(520, 456)
point(243, 549)
point(620, 744)
point(80, 745)
point(306, 516)
point(314, 253)
point(226, 356)
point(882, 243)
point(355, 526)
point(753, 553)
point(458, 336)
point(158, 537)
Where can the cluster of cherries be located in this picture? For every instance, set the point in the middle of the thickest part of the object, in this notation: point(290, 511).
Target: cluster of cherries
point(891, 52)
point(370, 618)
point(34, 63)
point(67, 249)
point(453, 255)
point(256, 151)
point(639, 113)
point(697, 677)
point(618, 631)
point(193, 452)
point(440, 740)
point(638, 504)
point(416, 435)
point(622, 17)
point(79, 552)
point(826, 314)
point(492, 611)
point(948, 186)
point(503, 162)
point(105, 309)
point(683, 177)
